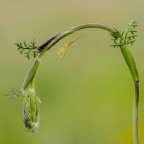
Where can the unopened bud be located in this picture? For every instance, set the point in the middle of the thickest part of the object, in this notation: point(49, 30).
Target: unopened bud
point(31, 110)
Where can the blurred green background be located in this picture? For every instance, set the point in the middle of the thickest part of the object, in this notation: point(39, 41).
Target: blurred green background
point(87, 97)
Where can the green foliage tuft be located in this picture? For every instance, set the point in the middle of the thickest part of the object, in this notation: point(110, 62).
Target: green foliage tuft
point(127, 37)
point(13, 93)
point(27, 49)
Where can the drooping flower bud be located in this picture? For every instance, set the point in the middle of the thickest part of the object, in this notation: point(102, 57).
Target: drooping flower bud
point(31, 110)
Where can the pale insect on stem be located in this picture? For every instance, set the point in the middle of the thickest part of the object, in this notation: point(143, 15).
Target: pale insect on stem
point(62, 51)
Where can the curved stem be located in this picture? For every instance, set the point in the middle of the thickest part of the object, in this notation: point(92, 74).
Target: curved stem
point(71, 31)
point(31, 73)
point(52, 41)
point(124, 49)
point(132, 67)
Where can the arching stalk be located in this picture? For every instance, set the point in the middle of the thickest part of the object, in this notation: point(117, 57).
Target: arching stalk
point(121, 40)
point(52, 41)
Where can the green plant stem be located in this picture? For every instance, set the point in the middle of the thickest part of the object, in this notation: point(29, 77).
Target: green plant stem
point(135, 114)
point(54, 40)
point(30, 75)
point(132, 66)
point(130, 62)
point(72, 30)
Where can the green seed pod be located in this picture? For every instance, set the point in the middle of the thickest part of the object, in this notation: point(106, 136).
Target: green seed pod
point(31, 110)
